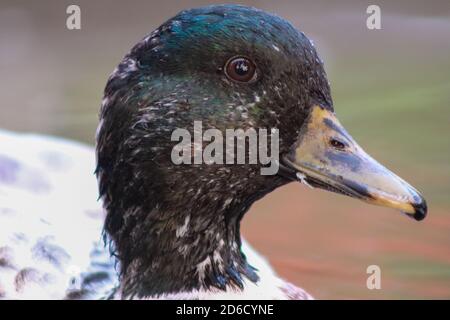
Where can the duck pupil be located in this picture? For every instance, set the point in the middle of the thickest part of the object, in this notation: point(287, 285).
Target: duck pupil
point(241, 68)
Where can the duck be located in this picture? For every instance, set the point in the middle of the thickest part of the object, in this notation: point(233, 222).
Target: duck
point(144, 227)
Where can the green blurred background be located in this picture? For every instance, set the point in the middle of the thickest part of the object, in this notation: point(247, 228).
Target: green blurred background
point(391, 89)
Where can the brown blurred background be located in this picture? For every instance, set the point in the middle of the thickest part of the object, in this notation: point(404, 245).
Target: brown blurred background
point(391, 89)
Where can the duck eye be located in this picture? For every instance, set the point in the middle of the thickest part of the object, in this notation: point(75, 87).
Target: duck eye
point(240, 69)
point(337, 144)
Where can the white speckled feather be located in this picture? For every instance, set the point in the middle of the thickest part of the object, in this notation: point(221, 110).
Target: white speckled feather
point(50, 220)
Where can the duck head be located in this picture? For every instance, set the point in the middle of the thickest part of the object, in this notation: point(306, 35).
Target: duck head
point(176, 227)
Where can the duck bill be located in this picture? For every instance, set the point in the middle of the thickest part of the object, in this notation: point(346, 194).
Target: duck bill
point(327, 157)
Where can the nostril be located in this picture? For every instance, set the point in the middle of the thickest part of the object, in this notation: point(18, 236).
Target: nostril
point(337, 144)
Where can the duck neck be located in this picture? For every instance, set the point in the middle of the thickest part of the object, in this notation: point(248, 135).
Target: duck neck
point(183, 244)
point(193, 252)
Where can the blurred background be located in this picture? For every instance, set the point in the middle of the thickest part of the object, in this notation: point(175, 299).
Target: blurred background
point(391, 90)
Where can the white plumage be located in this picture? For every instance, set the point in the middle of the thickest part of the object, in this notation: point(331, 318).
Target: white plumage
point(50, 220)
